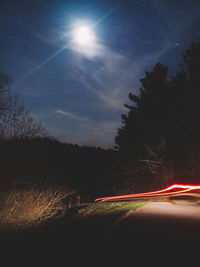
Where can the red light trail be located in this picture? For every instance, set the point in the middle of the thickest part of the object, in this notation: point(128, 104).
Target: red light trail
point(173, 189)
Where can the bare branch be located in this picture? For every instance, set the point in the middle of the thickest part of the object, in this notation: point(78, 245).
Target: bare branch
point(15, 122)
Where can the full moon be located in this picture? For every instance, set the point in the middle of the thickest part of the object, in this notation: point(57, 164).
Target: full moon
point(83, 35)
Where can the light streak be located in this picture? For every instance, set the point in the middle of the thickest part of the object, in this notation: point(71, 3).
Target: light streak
point(106, 15)
point(173, 189)
point(49, 59)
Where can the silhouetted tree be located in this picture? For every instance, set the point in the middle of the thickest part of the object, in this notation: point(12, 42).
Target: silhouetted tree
point(15, 121)
point(166, 111)
point(145, 121)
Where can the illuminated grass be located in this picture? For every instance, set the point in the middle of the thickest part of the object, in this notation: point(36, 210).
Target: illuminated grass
point(108, 208)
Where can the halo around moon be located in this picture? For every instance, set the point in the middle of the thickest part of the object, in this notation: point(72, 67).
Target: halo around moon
point(83, 39)
point(83, 35)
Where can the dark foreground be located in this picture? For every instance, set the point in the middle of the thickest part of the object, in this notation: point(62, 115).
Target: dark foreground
point(146, 236)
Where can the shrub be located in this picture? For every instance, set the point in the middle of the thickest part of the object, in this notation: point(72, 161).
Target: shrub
point(25, 205)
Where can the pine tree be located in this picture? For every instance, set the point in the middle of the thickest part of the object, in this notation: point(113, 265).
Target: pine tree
point(169, 111)
point(146, 119)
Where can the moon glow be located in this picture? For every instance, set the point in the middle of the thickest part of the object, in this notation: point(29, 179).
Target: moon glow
point(83, 35)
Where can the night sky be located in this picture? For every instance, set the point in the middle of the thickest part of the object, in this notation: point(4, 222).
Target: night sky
point(79, 92)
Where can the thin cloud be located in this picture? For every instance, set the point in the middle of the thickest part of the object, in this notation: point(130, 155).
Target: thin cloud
point(112, 80)
point(71, 115)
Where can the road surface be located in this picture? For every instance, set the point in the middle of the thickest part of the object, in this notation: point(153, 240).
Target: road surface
point(160, 226)
point(170, 210)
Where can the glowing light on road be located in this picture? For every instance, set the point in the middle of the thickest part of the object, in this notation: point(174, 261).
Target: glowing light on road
point(173, 189)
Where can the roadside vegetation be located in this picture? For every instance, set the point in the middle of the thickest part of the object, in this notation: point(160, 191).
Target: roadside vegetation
point(25, 205)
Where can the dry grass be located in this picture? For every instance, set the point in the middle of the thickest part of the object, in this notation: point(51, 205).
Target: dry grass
point(28, 205)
